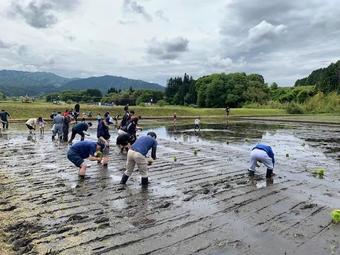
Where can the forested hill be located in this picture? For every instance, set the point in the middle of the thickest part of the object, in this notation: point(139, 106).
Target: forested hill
point(103, 83)
point(325, 79)
point(18, 83)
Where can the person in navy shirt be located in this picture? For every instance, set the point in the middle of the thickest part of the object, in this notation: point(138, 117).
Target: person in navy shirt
point(80, 129)
point(83, 150)
point(264, 154)
point(137, 155)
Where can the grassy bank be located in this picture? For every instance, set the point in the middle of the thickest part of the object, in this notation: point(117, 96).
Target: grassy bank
point(23, 111)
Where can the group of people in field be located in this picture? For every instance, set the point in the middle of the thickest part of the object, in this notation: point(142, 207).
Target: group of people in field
point(136, 149)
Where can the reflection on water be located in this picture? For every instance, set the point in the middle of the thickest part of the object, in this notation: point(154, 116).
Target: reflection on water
point(235, 131)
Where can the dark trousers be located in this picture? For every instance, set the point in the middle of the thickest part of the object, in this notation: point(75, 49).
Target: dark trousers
point(73, 135)
point(65, 132)
point(5, 124)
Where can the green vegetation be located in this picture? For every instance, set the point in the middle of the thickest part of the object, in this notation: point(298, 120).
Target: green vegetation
point(324, 79)
point(19, 110)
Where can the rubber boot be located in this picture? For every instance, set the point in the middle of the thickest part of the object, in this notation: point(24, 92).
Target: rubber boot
point(251, 173)
point(269, 173)
point(124, 179)
point(145, 181)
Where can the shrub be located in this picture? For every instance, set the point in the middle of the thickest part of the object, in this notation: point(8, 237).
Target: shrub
point(162, 103)
point(293, 108)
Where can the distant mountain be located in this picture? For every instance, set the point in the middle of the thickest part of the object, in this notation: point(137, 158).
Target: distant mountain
point(325, 79)
point(18, 83)
point(103, 83)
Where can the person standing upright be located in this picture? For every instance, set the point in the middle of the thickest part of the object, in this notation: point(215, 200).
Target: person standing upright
point(4, 119)
point(77, 111)
point(66, 126)
point(58, 122)
point(126, 117)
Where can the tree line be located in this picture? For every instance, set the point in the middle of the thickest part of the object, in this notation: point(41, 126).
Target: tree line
point(234, 90)
point(113, 95)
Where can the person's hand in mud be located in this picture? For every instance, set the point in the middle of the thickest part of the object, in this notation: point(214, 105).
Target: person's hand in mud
point(95, 158)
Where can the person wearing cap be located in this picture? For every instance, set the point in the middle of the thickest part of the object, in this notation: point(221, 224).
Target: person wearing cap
point(80, 129)
point(84, 150)
point(137, 155)
point(264, 154)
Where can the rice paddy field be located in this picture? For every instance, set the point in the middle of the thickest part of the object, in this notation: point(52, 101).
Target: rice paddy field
point(200, 199)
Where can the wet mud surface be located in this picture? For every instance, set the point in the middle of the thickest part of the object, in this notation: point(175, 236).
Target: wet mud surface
point(200, 200)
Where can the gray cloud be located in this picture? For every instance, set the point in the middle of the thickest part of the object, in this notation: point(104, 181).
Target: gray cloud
point(160, 14)
point(134, 7)
point(41, 14)
point(4, 45)
point(168, 49)
point(275, 34)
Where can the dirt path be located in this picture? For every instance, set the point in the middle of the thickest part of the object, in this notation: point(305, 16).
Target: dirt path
point(200, 204)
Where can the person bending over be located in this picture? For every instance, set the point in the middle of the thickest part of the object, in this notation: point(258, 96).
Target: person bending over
point(31, 124)
point(85, 150)
point(137, 155)
point(123, 142)
point(80, 129)
point(264, 154)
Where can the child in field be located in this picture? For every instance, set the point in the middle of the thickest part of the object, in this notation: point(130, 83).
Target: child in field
point(264, 154)
point(41, 124)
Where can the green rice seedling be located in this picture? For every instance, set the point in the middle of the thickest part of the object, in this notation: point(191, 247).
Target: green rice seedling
point(335, 214)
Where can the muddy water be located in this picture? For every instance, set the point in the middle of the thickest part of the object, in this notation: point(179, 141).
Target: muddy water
point(200, 200)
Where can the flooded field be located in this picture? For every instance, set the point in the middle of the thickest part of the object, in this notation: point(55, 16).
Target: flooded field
point(200, 200)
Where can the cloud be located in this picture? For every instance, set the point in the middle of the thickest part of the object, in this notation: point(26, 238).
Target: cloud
point(168, 49)
point(4, 45)
point(134, 7)
point(41, 14)
point(160, 14)
point(276, 34)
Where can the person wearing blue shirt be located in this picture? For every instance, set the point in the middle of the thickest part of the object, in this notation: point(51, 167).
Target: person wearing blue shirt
point(80, 129)
point(83, 150)
point(137, 155)
point(264, 154)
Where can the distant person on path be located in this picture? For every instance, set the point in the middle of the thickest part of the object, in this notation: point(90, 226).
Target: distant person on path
point(174, 119)
point(4, 119)
point(31, 124)
point(137, 155)
point(83, 150)
point(264, 154)
point(227, 110)
point(41, 124)
point(80, 129)
point(58, 122)
point(197, 124)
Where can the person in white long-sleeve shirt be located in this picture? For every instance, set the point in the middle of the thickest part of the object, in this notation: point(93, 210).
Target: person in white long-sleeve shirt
point(31, 124)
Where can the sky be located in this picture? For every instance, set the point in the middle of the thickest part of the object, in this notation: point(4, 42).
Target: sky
point(154, 40)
